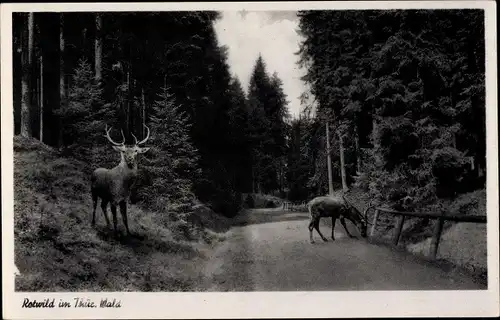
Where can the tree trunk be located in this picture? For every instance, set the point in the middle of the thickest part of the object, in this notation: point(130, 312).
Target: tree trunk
point(98, 47)
point(342, 164)
point(143, 128)
point(373, 139)
point(36, 99)
point(480, 170)
point(127, 116)
point(27, 60)
point(282, 176)
point(41, 98)
point(358, 150)
point(329, 160)
point(252, 176)
point(62, 87)
point(17, 70)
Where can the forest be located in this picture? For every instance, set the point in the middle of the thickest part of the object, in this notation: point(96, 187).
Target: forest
point(393, 114)
point(74, 73)
point(402, 92)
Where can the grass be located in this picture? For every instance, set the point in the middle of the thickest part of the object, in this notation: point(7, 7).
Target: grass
point(57, 249)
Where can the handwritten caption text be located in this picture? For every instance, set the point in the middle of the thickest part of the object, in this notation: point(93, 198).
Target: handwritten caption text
point(74, 303)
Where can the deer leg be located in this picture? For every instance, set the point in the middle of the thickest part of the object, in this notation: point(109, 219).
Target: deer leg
point(316, 226)
point(115, 222)
point(311, 227)
point(123, 210)
point(334, 220)
point(104, 207)
point(94, 200)
point(342, 221)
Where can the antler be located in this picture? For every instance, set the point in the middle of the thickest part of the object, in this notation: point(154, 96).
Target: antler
point(142, 141)
point(345, 200)
point(370, 206)
point(111, 140)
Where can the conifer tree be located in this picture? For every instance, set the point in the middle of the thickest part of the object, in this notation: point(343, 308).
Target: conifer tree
point(171, 165)
point(85, 117)
point(395, 82)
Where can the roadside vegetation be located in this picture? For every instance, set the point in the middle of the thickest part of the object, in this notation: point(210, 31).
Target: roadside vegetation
point(56, 249)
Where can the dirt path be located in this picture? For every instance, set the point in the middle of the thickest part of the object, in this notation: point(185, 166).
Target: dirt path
point(269, 251)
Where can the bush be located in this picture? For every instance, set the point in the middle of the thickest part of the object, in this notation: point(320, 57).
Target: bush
point(226, 202)
point(270, 204)
point(448, 168)
point(249, 202)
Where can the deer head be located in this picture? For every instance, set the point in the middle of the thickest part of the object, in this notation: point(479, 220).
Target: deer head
point(128, 152)
point(358, 218)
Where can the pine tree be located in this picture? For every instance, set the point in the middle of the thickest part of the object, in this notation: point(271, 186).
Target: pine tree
point(238, 138)
point(279, 116)
point(85, 118)
point(400, 87)
point(259, 137)
point(171, 165)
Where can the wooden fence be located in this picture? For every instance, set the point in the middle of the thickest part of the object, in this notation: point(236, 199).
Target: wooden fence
point(294, 206)
point(438, 229)
point(398, 228)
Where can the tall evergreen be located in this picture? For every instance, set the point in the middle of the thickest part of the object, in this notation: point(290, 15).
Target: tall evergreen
point(134, 63)
point(393, 81)
point(240, 162)
point(171, 166)
point(278, 113)
point(260, 123)
point(85, 115)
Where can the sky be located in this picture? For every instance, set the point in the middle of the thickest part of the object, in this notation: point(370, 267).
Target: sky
point(270, 33)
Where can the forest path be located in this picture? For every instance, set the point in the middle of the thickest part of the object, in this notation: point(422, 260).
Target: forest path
point(269, 250)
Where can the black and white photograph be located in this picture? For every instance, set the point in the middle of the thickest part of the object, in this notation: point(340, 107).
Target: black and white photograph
point(249, 148)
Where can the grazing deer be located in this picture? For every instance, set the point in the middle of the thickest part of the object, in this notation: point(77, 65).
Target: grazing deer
point(113, 185)
point(336, 208)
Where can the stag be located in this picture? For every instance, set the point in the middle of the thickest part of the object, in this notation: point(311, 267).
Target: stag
point(336, 208)
point(113, 185)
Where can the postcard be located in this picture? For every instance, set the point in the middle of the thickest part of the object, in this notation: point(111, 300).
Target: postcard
point(249, 160)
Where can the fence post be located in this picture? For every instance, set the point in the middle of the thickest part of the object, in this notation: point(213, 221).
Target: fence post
point(399, 228)
point(436, 237)
point(375, 218)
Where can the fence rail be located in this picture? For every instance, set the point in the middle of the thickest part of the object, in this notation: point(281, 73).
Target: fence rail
point(294, 206)
point(438, 229)
point(398, 228)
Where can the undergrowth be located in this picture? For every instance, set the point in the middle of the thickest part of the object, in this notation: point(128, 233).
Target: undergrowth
point(57, 249)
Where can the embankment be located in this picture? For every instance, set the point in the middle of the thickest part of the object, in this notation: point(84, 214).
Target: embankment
point(57, 249)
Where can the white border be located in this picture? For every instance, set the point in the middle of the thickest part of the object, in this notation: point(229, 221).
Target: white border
point(258, 304)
